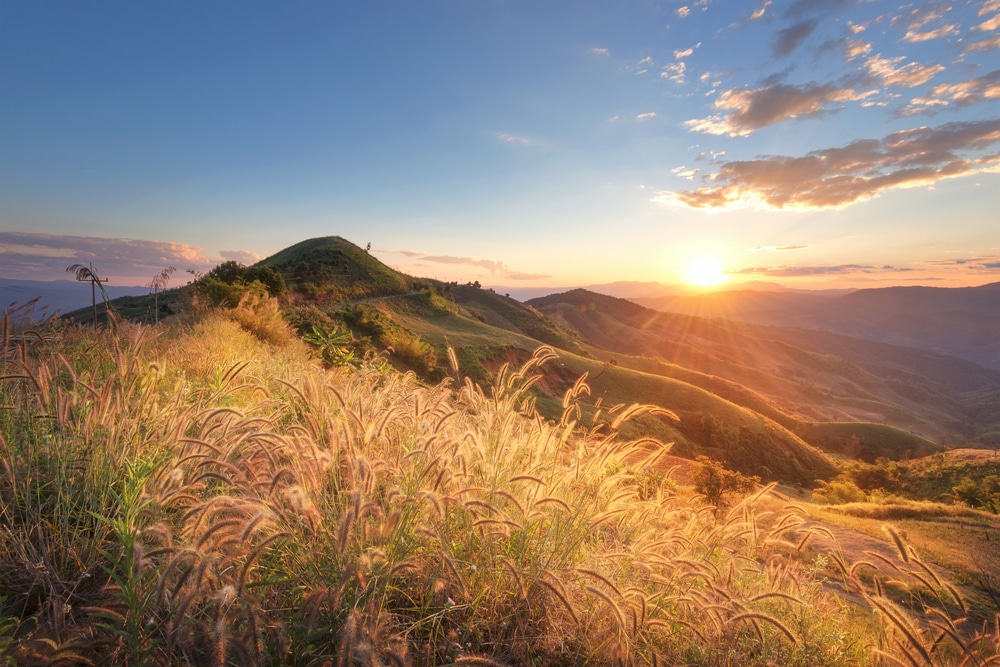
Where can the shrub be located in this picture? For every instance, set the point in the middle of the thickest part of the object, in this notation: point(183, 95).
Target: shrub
point(838, 492)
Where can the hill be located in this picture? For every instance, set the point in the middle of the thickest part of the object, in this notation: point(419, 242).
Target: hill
point(808, 376)
point(58, 296)
point(744, 397)
point(961, 322)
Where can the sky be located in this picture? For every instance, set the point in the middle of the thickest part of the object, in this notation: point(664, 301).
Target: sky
point(810, 143)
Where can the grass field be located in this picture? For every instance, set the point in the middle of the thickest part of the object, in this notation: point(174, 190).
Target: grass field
point(205, 492)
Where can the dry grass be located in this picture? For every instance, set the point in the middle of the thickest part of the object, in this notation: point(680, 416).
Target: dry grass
point(200, 495)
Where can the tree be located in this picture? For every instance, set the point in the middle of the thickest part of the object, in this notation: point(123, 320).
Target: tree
point(712, 480)
point(228, 272)
point(159, 282)
point(88, 273)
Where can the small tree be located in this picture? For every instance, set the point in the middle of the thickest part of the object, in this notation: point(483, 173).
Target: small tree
point(158, 283)
point(713, 480)
point(88, 273)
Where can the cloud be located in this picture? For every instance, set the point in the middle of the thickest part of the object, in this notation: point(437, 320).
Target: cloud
point(599, 51)
point(891, 73)
point(493, 266)
point(646, 116)
point(787, 271)
point(776, 248)
point(989, 6)
point(683, 12)
point(917, 19)
point(988, 44)
point(760, 11)
point(938, 33)
point(856, 47)
point(837, 177)
point(751, 110)
point(241, 256)
point(678, 54)
point(989, 25)
point(521, 140)
point(31, 255)
point(674, 72)
point(962, 94)
point(788, 39)
point(685, 172)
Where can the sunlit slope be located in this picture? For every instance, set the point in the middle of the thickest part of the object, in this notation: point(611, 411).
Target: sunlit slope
point(961, 321)
point(745, 439)
point(813, 376)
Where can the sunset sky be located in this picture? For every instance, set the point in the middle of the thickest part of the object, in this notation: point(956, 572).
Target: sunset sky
point(814, 143)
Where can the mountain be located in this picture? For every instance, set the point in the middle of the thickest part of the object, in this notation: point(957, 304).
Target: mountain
point(60, 296)
point(809, 376)
point(642, 292)
point(962, 322)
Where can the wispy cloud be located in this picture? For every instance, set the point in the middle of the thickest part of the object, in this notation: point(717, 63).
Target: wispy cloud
point(494, 266)
point(776, 248)
point(241, 256)
point(674, 72)
point(893, 71)
point(760, 11)
point(600, 51)
point(837, 177)
point(45, 256)
point(752, 109)
point(917, 19)
point(685, 172)
point(965, 93)
point(516, 139)
point(984, 263)
point(683, 12)
point(646, 116)
point(792, 271)
point(988, 44)
point(788, 39)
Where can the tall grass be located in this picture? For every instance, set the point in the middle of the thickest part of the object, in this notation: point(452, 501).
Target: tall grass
point(199, 495)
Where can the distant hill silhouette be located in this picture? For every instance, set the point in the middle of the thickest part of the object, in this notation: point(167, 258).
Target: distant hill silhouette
point(61, 296)
point(963, 322)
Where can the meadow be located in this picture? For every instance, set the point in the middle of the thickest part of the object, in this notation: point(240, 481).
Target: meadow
point(207, 491)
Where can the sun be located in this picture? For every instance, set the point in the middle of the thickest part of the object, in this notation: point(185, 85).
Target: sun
point(705, 272)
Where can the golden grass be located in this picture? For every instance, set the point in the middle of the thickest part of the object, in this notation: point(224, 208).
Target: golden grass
point(201, 495)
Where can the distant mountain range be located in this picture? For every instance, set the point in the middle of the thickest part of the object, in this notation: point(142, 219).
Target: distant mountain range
point(642, 291)
point(963, 322)
point(62, 296)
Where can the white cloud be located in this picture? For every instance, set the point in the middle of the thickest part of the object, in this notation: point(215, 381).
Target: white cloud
point(684, 12)
point(674, 72)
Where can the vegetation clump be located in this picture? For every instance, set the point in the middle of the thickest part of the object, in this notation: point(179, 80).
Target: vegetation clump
point(211, 495)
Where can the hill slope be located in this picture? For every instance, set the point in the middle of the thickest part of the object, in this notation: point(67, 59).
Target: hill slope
point(961, 322)
point(813, 376)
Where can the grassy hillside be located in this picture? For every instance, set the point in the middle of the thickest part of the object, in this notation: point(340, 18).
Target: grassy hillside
point(206, 493)
point(868, 442)
point(333, 269)
point(812, 376)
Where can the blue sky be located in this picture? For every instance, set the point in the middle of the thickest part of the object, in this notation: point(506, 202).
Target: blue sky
point(813, 143)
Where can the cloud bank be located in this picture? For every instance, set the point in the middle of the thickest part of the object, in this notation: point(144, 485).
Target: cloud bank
point(28, 255)
point(837, 177)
